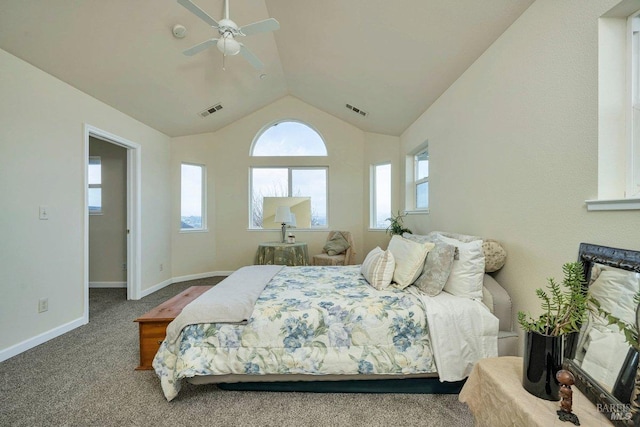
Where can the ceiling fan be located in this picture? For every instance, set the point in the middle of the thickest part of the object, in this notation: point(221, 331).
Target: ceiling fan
point(229, 30)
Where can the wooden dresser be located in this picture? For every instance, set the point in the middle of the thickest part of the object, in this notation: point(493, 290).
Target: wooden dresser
point(153, 324)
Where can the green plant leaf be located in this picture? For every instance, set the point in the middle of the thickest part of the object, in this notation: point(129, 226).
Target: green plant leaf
point(564, 305)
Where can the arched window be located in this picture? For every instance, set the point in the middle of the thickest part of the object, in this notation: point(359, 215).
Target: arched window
point(288, 138)
point(283, 183)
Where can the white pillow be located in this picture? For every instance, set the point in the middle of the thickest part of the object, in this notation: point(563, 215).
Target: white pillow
point(377, 268)
point(465, 279)
point(409, 257)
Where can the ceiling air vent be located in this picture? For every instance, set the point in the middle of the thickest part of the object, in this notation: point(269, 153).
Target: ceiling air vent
point(357, 110)
point(211, 110)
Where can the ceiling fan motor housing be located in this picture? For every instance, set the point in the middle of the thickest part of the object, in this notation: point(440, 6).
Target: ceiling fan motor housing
point(227, 25)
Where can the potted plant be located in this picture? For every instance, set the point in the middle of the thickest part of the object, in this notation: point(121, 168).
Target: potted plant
point(564, 307)
point(396, 225)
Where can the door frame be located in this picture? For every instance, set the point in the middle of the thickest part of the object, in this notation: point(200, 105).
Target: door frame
point(134, 180)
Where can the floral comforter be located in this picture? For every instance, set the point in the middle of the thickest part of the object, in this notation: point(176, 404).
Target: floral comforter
point(308, 320)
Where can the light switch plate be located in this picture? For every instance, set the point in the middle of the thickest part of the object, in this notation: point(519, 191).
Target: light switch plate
point(44, 212)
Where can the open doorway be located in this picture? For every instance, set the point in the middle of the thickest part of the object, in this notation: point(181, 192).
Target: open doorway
point(120, 265)
point(107, 177)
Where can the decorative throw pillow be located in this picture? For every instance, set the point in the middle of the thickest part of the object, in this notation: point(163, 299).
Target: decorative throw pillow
point(467, 274)
point(377, 268)
point(437, 266)
point(464, 238)
point(494, 255)
point(409, 257)
point(336, 245)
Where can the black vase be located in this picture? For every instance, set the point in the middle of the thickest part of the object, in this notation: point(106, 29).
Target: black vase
point(542, 360)
point(627, 377)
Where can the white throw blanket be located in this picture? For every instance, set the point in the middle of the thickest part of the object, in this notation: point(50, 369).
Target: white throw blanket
point(462, 331)
point(230, 301)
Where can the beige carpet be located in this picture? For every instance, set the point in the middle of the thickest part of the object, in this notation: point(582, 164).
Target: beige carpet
point(87, 378)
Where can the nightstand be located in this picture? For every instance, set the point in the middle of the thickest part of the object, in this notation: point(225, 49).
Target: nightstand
point(495, 396)
point(277, 253)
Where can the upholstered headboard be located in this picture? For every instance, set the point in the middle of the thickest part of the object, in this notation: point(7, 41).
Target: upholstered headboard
point(497, 299)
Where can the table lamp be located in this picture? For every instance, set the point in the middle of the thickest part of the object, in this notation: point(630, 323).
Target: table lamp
point(292, 222)
point(283, 215)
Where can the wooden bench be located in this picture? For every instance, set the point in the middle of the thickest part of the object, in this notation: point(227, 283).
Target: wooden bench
point(153, 324)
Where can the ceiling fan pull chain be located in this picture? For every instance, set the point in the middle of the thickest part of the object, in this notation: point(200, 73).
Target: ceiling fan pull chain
point(224, 56)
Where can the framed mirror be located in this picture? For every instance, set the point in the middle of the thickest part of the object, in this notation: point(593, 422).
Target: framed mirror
point(604, 364)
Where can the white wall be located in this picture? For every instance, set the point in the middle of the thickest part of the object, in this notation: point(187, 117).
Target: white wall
point(229, 244)
point(513, 148)
point(42, 163)
point(380, 149)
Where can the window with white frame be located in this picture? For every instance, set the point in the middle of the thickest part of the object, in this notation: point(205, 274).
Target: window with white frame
point(421, 180)
point(289, 182)
point(95, 185)
point(288, 138)
point(380, 196)
point(633, 153)
point(618, 108)
point(192, 197)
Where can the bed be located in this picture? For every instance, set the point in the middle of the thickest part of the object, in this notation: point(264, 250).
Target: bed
point(321, 323)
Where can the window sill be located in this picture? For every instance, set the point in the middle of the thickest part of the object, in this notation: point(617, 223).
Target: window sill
point(197, 230)
point(417, 212)
point(613, 205)
point(291, 230)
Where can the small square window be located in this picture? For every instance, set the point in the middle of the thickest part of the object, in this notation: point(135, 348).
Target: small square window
point(95, 185)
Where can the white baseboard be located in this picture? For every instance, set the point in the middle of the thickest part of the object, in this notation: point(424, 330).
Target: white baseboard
point(200, 276)
point(25, 345)
point(155, 288)
point(107, 284)
point(179, 279)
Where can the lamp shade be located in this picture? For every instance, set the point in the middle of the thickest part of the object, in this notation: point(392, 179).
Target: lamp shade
point(292, 222)
point(283, 214)
point(228, 45)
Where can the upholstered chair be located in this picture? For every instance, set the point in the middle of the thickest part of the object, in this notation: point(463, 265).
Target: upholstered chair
point(334, 240)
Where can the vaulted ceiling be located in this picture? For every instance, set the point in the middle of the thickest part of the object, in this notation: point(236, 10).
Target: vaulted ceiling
point(392, 59)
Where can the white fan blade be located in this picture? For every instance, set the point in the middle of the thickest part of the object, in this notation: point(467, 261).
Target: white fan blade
point(200, 47)
point(260, 27)
point(249, 56)
point(199, 13)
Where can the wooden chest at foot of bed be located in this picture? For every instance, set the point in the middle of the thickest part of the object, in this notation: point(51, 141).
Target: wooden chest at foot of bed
point(153, 324)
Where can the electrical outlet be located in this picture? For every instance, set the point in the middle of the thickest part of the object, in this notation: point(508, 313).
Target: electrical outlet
point(124, 266)
point(43, 305)
point(161, 266)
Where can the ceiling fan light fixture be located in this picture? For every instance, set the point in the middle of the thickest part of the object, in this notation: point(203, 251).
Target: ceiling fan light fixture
point(228, 45)
point(228, 30)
